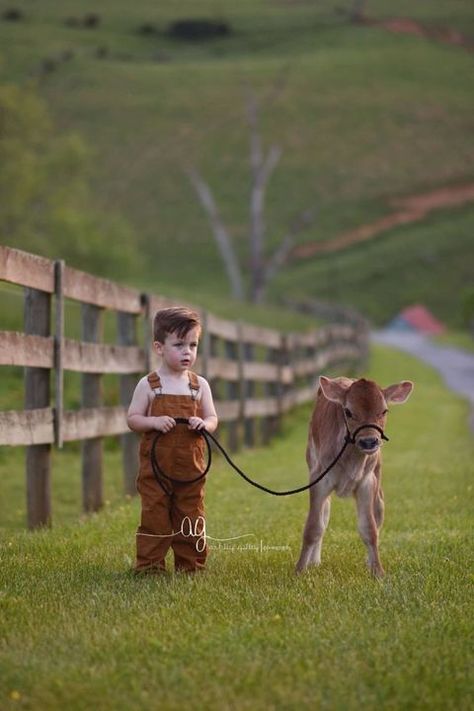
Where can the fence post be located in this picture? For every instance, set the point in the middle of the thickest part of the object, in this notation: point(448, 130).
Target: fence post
point(127, 336)
point(147, 330)
point(92, 479)
point(233, 392)
point(37, 321)
point(271, 423)
point(205, 345)
point(285, 360)
point(248, 386)
point(58, 352)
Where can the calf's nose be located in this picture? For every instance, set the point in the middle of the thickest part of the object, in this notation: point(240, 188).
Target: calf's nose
point(368, 443)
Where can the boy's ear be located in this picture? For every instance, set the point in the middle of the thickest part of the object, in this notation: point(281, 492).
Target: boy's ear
point(158, 346)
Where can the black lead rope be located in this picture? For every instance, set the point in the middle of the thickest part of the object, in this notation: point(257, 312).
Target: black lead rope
point(160, 474)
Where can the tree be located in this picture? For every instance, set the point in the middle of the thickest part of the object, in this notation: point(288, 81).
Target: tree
point(262, 165)
point(46, 205)
point(357, 11)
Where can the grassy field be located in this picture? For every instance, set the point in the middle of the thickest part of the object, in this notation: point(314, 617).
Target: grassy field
point(363, 115)
point(78, 631)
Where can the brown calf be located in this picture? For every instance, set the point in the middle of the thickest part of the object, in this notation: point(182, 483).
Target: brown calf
point(342, 407)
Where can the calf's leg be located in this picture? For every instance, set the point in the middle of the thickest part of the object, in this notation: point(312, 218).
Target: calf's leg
point(316, 524)
point(379, 508)
point(367, 522)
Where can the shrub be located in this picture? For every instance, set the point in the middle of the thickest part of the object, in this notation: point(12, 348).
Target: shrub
point(198, 29)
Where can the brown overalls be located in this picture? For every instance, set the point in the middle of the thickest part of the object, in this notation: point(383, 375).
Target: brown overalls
point(180, 454)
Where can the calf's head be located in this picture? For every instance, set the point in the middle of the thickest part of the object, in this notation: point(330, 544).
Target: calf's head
point(363, 402)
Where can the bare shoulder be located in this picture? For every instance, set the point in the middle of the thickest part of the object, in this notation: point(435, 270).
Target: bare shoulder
point(143, 385)
point(203, 382)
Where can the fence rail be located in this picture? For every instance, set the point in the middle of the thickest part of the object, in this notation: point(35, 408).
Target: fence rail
point(256, 374)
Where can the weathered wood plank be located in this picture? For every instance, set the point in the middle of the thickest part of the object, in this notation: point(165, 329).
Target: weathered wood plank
point(94, 422)
point(38, 351)
point(100, 292)
point(308, 366)
point(302, 340)
point(103, 358)
point(26, 350)
point(287, 375)
point(26, 427)
point(25, 269)
point(227, 410)
point(228, 330)
point(261, 372)
point(259, 336)
point(223, 368)
point(263, 407)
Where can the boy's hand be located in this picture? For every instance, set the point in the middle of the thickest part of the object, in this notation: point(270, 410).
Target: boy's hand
point(196, 423)
point(164, 423)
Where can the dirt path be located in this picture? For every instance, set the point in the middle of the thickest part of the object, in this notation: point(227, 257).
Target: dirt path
point(407, 210)
point(404, 25)
point(456, 366)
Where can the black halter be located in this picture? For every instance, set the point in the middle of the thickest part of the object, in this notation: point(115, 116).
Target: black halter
point(351, 438)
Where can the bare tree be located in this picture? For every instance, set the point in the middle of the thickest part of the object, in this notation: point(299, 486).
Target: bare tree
point(357, 11)
point(262, 166)
point(221, 236)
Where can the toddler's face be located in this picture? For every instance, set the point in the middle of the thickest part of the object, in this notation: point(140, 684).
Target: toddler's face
point(177, 353)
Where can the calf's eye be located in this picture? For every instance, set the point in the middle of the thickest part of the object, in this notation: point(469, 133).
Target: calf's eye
point(347, 412)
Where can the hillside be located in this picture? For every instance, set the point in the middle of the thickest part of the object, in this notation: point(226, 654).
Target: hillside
point(362, 116)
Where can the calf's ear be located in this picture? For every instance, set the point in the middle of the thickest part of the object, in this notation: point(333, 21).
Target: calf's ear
point(334, 389)
point(398, 393)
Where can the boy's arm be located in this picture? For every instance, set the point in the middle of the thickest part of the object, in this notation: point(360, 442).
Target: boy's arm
point(209, 416)
point(137, 418)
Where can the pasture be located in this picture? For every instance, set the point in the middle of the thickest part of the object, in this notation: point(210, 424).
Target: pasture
point(79, 631)
point(363, 116)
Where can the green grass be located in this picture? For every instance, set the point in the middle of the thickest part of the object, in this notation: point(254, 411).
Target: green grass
point(429, 262)
point(457, 339)
point(79, 631)
point(363, 116)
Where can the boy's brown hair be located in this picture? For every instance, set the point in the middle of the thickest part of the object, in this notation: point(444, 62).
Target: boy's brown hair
point(177, 319)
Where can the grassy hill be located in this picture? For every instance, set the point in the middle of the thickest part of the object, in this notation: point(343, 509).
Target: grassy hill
point(362, 116)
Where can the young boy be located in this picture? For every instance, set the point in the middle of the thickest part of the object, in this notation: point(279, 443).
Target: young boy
point(172, 512)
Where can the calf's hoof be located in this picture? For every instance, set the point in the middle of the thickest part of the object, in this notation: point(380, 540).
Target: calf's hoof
point(377, 571)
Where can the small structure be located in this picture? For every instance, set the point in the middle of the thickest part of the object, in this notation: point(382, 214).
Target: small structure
point(417, 318)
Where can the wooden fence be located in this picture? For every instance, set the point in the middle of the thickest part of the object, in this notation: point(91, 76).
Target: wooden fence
point(256, 374)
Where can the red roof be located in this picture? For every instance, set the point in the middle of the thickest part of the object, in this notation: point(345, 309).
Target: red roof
point(423, 320)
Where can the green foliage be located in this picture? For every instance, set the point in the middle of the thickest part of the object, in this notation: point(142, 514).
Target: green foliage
point(46, 205)
point(79, 631)
point(468, 307)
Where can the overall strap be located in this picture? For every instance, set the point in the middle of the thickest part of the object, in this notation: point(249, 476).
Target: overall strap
point(193, 384)
point(155, 383)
